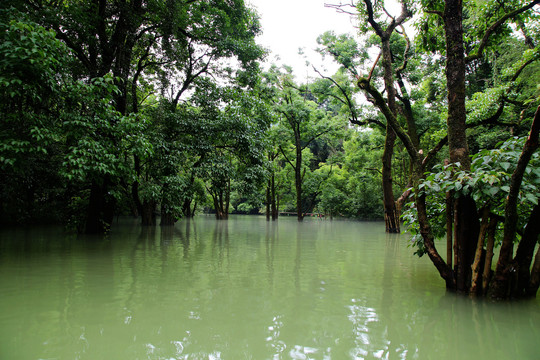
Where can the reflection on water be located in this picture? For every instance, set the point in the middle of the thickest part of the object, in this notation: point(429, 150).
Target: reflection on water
point(242, 289)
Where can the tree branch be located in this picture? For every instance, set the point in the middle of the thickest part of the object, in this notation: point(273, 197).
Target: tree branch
point(391, 119)
point(286, 158)
point(436, 12)
point(373, 67)
point(494, 26)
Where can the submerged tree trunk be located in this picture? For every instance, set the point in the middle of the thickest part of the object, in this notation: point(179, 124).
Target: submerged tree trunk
point(298, 175)
point(274, 204)
point(525, 253)
point(466, 221)
point(391, 215)
point(148, 213)
point(101, 206)
point(508, 269)
point(268, 200)
point(168, 217)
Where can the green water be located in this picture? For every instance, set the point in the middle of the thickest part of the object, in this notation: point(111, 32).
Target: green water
point(243, 289)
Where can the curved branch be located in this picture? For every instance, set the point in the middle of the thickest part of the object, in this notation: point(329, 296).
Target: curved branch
point(347, 101)
point(434, 151)
point(494, 26)
point(510, 211)
point(364, 84)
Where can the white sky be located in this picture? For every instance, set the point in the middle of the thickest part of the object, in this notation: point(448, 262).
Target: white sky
point(292, 24)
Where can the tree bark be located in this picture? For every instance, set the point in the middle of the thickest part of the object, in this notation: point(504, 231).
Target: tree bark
point(466, 219)
point(505, 267)
point(486, 275)
point(148, 213)
point(535, 276)
point(268, 200)
point(525, 252)
point(298, 173)
point(479, 256)
point(275, 213)
point(391, 216)
point(101, 206)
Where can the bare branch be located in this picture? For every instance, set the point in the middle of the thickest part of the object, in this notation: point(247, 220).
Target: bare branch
point(340, 8)
point(373, 67)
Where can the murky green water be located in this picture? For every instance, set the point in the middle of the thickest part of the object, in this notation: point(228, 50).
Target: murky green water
point(243, 289)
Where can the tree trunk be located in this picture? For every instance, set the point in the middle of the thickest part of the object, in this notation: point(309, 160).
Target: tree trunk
point(148, 213)
point(525, 252)
point(275, 212)
point(486, 276)
point(479, 257)
point(268, 200)
point(298, 175)
point(535, 276)
point(390, 212)
point(466, 218)
point(505, 267)
point(168, 217)
point(221, 205)
point(101, 205)
point(391, 215)
point(186, 208)
point(449, 228)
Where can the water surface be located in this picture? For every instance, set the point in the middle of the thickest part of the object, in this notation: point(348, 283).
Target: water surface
point(243, 289)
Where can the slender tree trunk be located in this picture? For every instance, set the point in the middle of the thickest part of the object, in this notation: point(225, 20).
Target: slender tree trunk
point(486, 275)
point(429, 243)
point(391, 215)
point(525, 252)
point(479, 257)
point(298, 175)
point(268, 200)
point(505, 267)
point(275, 213)
point(449, 228)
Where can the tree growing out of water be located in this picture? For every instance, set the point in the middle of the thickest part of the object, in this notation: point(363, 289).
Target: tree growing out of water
point(471, 234)
point(301, 122)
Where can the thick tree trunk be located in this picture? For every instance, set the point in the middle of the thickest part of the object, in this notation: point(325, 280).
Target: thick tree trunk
point(168, 218)
point(535, 276)
point(390, 212)
point(148, 213)
point(186, 209)
point(466, 218)
point(101, 205)
point(466, 237)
